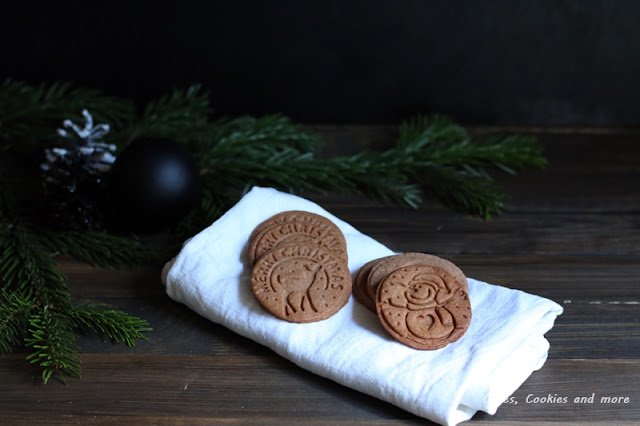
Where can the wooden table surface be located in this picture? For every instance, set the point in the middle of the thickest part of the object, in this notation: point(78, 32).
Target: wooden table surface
point(570, 233)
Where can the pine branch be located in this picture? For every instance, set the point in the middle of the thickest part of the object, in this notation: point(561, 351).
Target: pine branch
point(34, 297)
point(271, 151)
point(99, 248)
point(461, 190)
point(420, 131)
point(181, 115)
point(35, 301)
point(243, 145)
point(119, 326)
point(37, 307)
point(14, 319)
point(32, 114)
point(511, 153)
point(256, 136)
point(455, 169)
point(27, 268)
point(296, 172)
point(433, 154)
point(51, 337)
point(378, 176)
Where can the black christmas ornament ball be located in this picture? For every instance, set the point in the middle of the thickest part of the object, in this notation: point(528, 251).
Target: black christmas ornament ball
point(153, 184)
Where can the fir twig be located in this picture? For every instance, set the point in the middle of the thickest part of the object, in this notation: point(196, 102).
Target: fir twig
point(33, 113)
point(180, 115)
point(297, 172)
point(14, 319)
point(463, 190)
point(272, 151)
point(43, 287)
point(36, 307)
point(27, 268)
point(99, 249)
point(119, 326)
point(455, 169)
point(53, 341)
point(433, 155)
point(255, 136)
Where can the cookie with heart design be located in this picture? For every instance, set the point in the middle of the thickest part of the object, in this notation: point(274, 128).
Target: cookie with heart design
point(389, 264)
point(424, 307)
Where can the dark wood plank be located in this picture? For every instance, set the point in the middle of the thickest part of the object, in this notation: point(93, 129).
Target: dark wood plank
point(569, 281)
point(252, 388)
point(557, 277)
point(586, 329)
point(266, 388)
point(186, 420)
point(566, 380)
point(595, 322)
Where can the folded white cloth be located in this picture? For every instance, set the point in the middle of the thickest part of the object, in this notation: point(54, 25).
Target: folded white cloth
point(504, 344)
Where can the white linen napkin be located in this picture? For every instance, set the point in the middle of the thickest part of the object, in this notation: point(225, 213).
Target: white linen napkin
point(504, 343)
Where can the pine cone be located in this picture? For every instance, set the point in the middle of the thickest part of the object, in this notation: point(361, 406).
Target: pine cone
point(73, 196)
point(73, 180)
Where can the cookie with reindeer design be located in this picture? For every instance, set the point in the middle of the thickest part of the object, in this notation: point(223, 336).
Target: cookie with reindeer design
point(301, 283)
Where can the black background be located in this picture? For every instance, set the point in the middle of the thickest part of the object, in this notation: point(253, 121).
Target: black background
point(492, 62)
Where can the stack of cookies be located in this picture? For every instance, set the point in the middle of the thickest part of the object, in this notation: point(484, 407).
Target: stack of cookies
point(300, 271)
point(300, 275)
point(420, 299)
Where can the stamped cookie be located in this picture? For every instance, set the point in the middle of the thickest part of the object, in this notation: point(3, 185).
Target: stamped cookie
point(278, 219)
point(285, 217)
point(301, 283)
point(360, 290)
point(424, 307)
point(296, 227)
point(380, 271)
point(428, 259)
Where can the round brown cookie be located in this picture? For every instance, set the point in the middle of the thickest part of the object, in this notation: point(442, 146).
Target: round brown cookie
point(301, 283)
point(424, 307)
point(360, 292)
point(448, 266)
point(273, 220)
point(336, 245)
point(300, 227)
point(380, 271)
point(281, 218)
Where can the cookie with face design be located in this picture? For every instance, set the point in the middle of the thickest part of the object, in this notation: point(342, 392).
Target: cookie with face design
point(384, 266)
point(425, 307)
point(301, 283)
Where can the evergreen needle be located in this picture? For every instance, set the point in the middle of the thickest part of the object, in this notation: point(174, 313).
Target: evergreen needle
point(119, 326)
